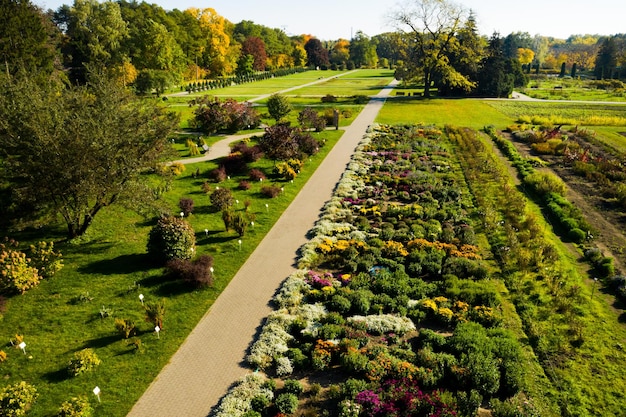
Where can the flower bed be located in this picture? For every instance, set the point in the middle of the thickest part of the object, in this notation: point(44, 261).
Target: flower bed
point(393, 291)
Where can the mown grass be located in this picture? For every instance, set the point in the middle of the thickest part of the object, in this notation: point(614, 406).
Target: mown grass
point(468, 113)
point(361, 82)
point(108, 268)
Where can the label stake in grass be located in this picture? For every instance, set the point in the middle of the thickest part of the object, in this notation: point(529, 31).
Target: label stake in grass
point(23, 347)
point(157, 329)
point(239, 241)
point(141, 298)
point(96, 392)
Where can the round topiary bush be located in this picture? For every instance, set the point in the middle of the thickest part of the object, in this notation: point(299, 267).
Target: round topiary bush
point(171, 238)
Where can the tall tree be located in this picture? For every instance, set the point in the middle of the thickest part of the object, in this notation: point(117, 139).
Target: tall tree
point(255, 47)
point(433, 25)
point(494, 78)
point(27, 37)
point(340, 52)
point(391, 45)
point(96, 32)
point(514, 41)
point(216, 53)
point(466, 53)
point(363, 51)
point(72, 151)
point(317, 55)
point(606, 61)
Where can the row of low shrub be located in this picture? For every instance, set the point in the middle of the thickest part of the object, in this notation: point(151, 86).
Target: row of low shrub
point(549, 189)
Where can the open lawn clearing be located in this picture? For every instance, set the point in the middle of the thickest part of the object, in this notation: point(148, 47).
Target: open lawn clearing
point(104, 274)
point(269, 86)
point(461, 112)
point(353, 84)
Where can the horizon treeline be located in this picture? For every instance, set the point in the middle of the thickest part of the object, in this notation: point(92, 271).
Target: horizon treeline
point(146, 44)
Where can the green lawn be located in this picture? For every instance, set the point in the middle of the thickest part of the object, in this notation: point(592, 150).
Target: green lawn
point(108, 269)
point(467, 112)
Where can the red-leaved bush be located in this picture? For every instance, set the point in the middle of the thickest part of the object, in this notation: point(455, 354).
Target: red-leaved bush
point(196, 272)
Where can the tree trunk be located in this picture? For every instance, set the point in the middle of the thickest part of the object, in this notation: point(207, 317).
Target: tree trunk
point(427, 84)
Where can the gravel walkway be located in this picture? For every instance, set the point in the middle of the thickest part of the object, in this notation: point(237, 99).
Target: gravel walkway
point(212, 357)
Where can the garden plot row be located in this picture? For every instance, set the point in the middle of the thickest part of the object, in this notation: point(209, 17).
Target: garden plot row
point(398, 300)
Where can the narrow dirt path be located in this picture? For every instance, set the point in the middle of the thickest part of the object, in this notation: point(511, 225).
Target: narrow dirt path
point(211, 358)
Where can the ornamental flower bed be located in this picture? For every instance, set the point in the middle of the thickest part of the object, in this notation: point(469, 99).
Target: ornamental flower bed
point(393, 294)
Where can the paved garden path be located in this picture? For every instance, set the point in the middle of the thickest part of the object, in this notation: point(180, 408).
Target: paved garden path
point(212, 357)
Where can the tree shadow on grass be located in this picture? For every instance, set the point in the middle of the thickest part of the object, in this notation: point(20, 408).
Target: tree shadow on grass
point(124, 264)
point(100, 342)
point(166, 286)
point(174, 288)
point(59, 375)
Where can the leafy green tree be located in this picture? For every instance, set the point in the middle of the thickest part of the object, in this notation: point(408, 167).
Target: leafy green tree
point(433, 25)
point(340, 52)
point(493, 79)
point(514, 41)
point(96, 32)
point(465, 55)
point(606, 61)
point(391, 45)
point(245, 65)
point(363, 51)
point(278, 107)
point(27, 37)
point(157, 80)
point(299, 56)
point(71, 151)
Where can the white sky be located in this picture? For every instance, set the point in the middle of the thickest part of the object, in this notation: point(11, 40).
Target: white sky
point(334, 19)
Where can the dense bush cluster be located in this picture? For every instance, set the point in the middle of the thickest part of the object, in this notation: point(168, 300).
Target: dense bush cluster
point(20, 271)
point(16, 399)
point(197, 272)
point(214, 115)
